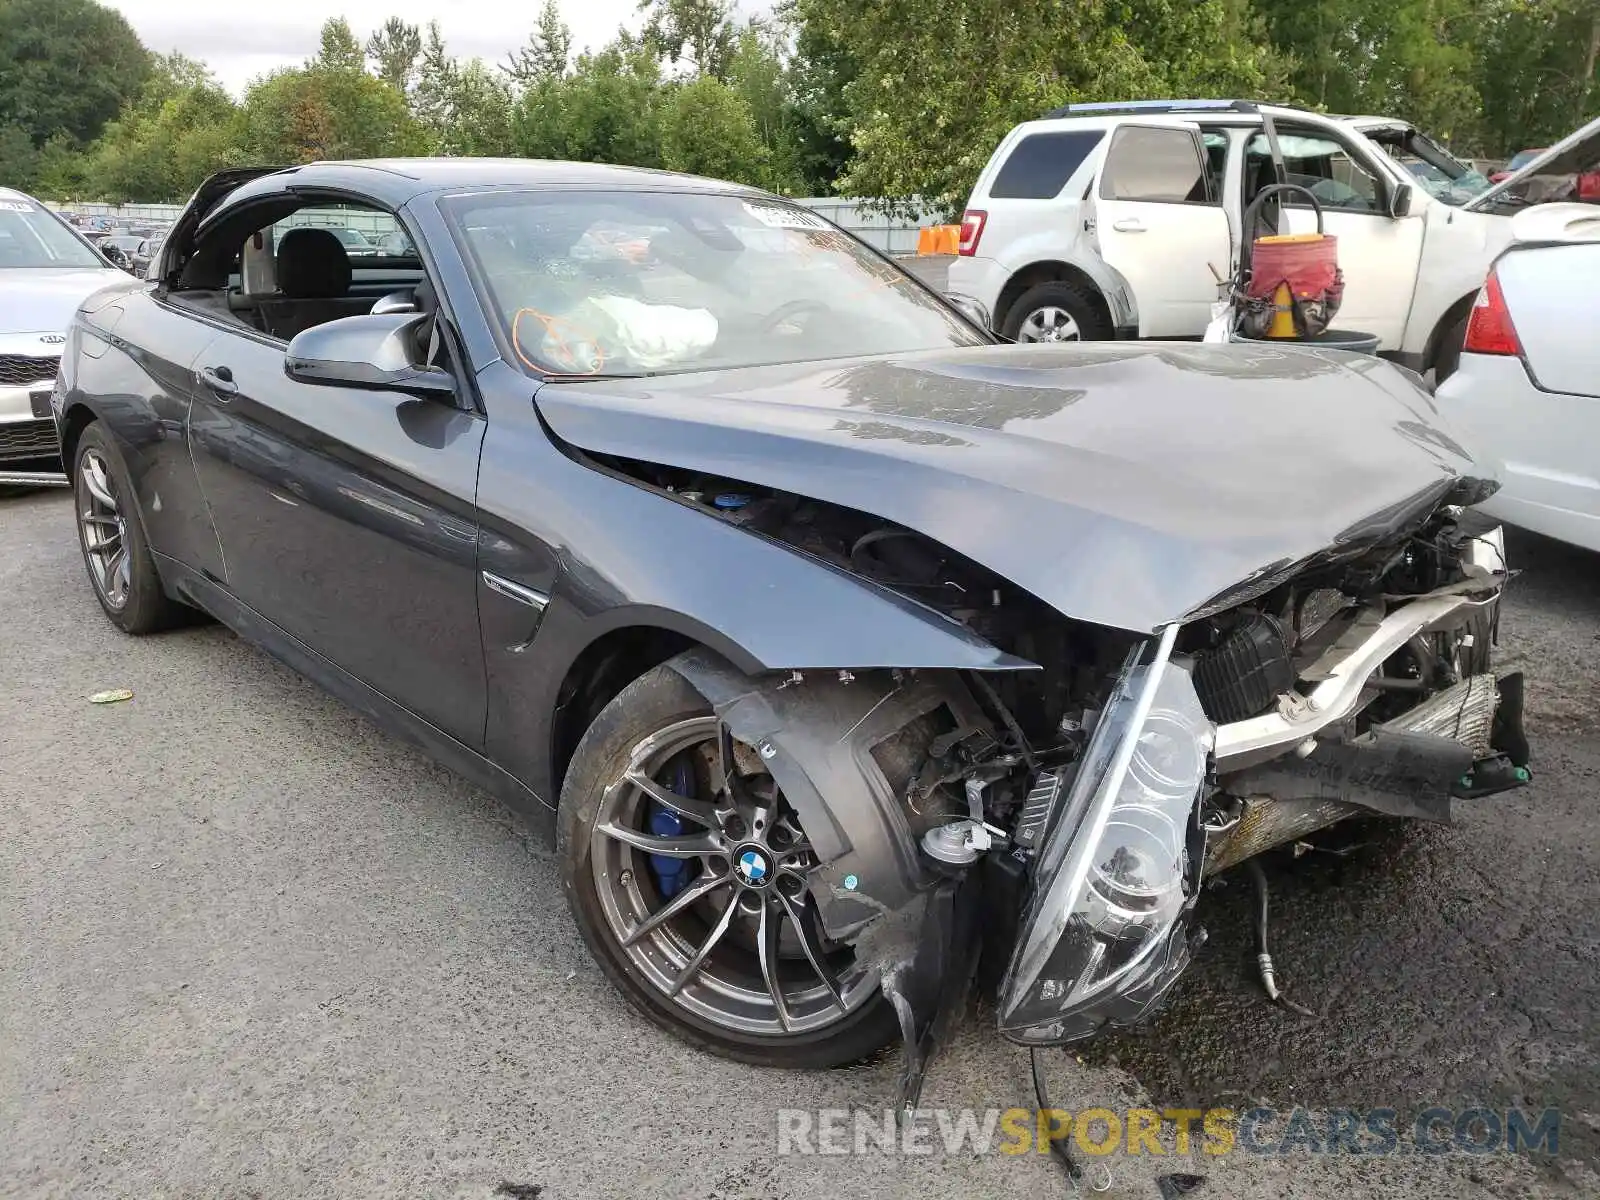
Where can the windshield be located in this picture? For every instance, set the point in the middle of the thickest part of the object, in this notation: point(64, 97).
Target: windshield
point(635, 283)
point(351, 238)
point(31, 237)
point(1439, 173)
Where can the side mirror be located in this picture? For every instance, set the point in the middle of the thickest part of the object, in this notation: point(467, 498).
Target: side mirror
point(1400, 200)
point(395, 302)
point(374, 351)
point(972, 309)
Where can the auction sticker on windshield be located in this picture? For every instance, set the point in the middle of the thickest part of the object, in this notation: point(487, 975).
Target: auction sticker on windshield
point(778, 217)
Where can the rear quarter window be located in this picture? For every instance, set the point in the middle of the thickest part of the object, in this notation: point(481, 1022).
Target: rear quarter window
point(1041, 163)
point(1154, 164)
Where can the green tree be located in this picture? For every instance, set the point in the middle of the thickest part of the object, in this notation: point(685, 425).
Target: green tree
point(548, 50)
point(707, 128)
point(60, 171)
point(176, 132)
point(19, 157)
point(339, 49)
point(465, 106)
point(606, 110)
point(298, 115)
point(822, 66)
point(938, 82)
point(760, 77)
point(393, 50)
point(1535, 71)
point(431, 97)
point(66, 67)
point(1410, 58)
point(700, 33)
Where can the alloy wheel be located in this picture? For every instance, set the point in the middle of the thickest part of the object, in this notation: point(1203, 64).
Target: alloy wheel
point(700, 866)
point(105, 530)
point(1049, 324)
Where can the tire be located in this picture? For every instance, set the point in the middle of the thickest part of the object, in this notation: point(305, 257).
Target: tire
point(111, 537)
point(840, 1033)
point(1029, 315)
point(1447, 359)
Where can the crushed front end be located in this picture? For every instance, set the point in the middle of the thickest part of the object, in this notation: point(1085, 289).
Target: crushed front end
point(1045, 833)
point(1355, 683)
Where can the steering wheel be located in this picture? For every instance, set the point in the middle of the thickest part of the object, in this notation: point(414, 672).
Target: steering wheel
point(789, 311)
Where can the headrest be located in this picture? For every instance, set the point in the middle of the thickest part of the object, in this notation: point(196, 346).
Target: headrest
point(312, 264)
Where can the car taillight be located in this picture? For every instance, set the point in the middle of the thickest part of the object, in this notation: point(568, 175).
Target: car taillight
point(1489, 329)
point(971, 230)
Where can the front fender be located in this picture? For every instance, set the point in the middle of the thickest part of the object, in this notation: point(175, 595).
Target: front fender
point(792, 614)
point(799, 615)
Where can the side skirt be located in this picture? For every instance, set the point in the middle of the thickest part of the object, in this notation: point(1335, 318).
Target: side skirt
point(194, 588)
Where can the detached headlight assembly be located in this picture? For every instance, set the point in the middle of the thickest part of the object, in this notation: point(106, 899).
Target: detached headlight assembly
point(1104, 935)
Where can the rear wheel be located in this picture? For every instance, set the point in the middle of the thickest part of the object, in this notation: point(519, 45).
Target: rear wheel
point(687, 870)
point(1055, 312)
point(112, 539)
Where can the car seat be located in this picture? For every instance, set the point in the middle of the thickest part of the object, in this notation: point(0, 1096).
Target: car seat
point(313, 283)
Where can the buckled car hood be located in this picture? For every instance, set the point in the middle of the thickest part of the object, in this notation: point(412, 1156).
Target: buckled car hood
point(1124, 484)
point(1574, 154)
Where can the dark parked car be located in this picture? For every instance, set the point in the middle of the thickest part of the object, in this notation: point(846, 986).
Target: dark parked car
point(146, 254)
point(844, 651)
point(121, 249)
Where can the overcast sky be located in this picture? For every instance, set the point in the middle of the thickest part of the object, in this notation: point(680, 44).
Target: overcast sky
point(240, 41)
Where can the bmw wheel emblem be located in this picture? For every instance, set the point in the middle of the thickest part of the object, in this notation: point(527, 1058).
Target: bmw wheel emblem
point(752, 867)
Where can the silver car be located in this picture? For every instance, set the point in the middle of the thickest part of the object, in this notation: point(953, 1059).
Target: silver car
point(46, 271)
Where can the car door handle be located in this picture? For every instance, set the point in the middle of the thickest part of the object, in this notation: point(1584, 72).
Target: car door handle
point(219, 380)
point(1128, 225)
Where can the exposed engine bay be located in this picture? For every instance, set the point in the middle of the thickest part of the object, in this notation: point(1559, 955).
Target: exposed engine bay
point(1072, 812)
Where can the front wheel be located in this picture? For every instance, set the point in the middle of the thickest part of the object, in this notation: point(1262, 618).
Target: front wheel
point(687, 872)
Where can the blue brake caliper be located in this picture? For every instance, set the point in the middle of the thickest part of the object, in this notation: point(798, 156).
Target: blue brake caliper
point(671, 873)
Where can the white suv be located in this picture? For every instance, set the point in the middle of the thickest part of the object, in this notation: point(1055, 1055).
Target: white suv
point(1120, 220)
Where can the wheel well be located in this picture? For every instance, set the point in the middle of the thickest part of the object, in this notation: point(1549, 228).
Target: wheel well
point(78, 418)
point(1453, 314)
point(607, 665)
point(1050, 272)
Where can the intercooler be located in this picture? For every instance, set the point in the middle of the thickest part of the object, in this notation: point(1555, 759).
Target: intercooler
point(1405, 767)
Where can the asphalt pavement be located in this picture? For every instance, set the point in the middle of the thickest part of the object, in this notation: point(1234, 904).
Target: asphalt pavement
point(250, 946)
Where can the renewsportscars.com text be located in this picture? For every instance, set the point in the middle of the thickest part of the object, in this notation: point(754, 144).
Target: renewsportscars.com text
point(1179, 1131)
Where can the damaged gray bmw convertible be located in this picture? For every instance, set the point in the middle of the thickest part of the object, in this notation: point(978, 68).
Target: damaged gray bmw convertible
point(853, 658)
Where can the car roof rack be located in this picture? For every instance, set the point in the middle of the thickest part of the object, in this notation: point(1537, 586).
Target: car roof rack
point(1152, 106)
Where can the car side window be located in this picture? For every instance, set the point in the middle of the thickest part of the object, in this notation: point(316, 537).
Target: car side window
point(1154, 164)
point(1039, 166)
point(1319, 164)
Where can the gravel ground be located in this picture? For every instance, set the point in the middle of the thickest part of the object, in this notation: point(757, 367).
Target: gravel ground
point(252, 946)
